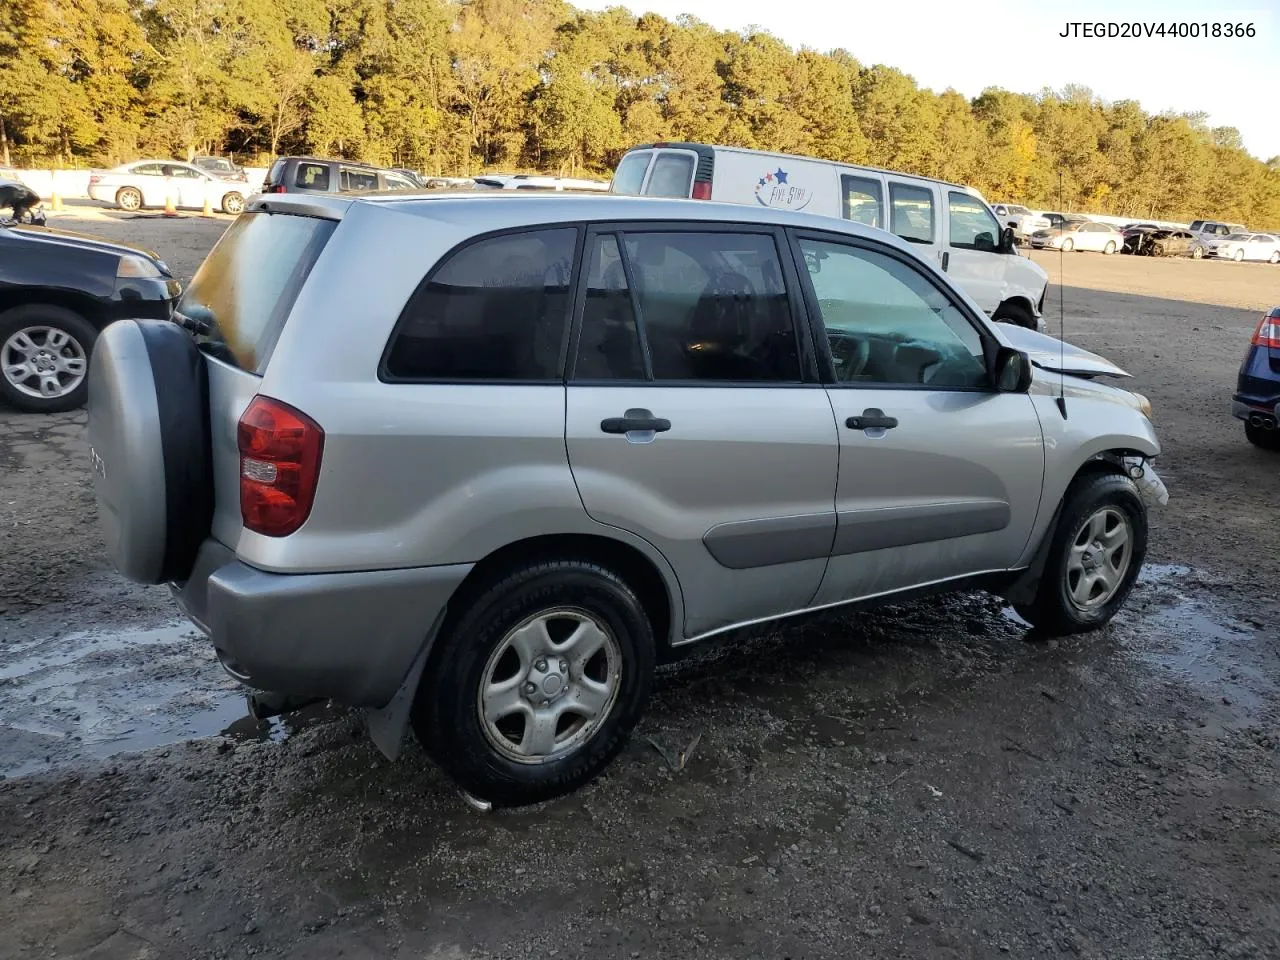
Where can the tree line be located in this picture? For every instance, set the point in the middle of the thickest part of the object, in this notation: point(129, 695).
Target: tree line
point(458, 86)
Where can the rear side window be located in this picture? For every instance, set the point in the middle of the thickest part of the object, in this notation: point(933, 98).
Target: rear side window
point(709, 307)
point(672, 176)
point(863, 197)
point(911, 212)
point(276, 172)
point(357, 180)
point(149, 170)
point(630, 173)
point(311, 176)
point(246, 287)
point(495, 310)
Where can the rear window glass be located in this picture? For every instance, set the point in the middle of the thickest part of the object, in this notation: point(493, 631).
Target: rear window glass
point(672, 176)
point(630, 173)
point(246, 286)
point(496, 310)
point(357, 180)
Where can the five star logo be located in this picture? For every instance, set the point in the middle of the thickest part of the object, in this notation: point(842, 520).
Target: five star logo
point(773, 189)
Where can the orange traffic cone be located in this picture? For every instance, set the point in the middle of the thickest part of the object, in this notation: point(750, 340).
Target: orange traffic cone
point(169, 209)
point(208, 207)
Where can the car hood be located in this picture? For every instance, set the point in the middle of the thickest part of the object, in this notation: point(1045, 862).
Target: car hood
point(1052, 354)
point(67, 238)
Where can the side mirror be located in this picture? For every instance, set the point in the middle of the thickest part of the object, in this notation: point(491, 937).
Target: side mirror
point(1012, 371)
point(1006, 241)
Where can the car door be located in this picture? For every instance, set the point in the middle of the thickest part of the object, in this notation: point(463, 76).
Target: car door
point(695, 419)
point(940, 475)
point(913, 216)
point(189, 185)
point(151, 180)
point(973, 236)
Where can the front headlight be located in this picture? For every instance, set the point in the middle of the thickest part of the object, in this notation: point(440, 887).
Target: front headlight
point(139, 267)
point(1144, 405)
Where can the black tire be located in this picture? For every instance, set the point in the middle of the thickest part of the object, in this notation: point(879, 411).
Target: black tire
point(232, 203)
point(82, 335)
point(1263, 439)
point(446, 716)
point(1052, 611)
point(129, 198)
point(1015, 313)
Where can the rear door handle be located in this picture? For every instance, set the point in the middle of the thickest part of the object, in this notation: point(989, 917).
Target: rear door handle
point(871, 419)
point(946, 260)
point(635, 420)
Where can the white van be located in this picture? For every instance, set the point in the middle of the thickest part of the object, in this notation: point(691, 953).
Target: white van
point(952, 224)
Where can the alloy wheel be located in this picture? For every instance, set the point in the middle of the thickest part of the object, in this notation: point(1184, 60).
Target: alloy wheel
point(1099, 558)
point(43, 362)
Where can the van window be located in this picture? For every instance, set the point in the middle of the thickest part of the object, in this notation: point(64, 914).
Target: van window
point(863, 199)
point(911, 212)
point(972, 226)
point(496, 310)
point(672, 175)
point(311, 176)
point(247, 284)
point(630, 173)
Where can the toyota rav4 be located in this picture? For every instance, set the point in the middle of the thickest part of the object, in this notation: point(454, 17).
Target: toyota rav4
point(475, 463)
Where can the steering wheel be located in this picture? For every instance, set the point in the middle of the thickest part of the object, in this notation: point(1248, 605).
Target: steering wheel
point(850, 354)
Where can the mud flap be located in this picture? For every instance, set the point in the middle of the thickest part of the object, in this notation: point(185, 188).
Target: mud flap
point(1023, 589)
point(387, 724)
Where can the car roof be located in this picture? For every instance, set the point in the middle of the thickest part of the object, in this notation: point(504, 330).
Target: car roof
point(483, 211)
point(348, 163)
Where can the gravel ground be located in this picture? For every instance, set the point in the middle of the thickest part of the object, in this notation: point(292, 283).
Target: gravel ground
point(922, 781)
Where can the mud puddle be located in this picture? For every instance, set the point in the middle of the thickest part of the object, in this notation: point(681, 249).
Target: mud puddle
point(87, 695)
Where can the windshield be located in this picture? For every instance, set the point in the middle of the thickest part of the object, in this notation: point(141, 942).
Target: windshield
point(245, 288)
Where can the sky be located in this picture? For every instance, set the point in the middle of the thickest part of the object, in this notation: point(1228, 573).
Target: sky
point(1016, 44)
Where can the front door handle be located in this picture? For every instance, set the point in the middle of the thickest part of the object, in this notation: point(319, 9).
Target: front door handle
point(872, 419)
point(637, 419)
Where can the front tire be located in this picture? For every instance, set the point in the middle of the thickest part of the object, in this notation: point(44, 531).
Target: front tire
point(1197, 253)
point(1014, 313)
point(232, 203)
point(44, 358)
point(1097, 550)
point(538, 682)
point(1068, 245)
point(1263, 439)
point(1110, 248)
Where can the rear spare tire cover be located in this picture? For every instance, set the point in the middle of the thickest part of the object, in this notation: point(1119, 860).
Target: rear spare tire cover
point(149, 448)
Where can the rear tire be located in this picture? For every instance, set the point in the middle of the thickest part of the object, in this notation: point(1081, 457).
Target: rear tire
point(129, 198)
point(1197, 253)
point(1263, 439)
point(1068, 245)
point(1275, 257)
point(1110, 248)
point(1239, 255)
point(44, 358)
point(1097, 550)
point(232, 203)
point(481, 699)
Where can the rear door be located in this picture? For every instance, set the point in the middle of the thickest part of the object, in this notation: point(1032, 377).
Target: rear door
point(694, 416)
point(970, 253)
point(940, 475)
point(670, 174)
point(151, 180)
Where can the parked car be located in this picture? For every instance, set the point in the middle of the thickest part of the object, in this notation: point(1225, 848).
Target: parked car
point(1245, 246)
point(21, 202)
point(948, 223)
point(317, 175)
point(1257, 397)
point(1080, 235)
point(58, 291)
point(1137, 238)
point(1056, 220)
point(1209, 232)
point(455, 520)
point(1172, 243)
point(414, 178)
point(1023, 221)
point(221, 167)
point(153, 183)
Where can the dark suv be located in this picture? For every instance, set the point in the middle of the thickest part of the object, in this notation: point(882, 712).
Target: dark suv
point(315, 175)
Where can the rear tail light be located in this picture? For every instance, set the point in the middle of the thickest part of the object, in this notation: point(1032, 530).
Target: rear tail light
point(702, 190)
point(280, 450)
point(94, 178)
point(278, 188)
point(1268, 332)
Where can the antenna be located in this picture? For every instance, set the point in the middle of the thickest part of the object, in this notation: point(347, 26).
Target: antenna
point(1062, 311)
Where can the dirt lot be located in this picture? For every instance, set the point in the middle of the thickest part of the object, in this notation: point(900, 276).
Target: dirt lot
point(924, 781)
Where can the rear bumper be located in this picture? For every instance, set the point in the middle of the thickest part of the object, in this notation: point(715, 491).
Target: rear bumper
point(1242, 408)
point(350, 637)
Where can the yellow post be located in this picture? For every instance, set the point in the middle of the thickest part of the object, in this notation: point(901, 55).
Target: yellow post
point(55, 200)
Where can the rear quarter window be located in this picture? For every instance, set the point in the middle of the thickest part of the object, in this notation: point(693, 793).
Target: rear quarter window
point(311, 176)
point(246, 287)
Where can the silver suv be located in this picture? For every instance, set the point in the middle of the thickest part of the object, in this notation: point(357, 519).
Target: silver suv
point(476, 463)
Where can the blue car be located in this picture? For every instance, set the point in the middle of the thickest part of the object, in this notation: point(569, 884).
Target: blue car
point(1257, 397)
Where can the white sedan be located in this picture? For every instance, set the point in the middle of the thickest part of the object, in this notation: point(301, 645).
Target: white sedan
point(153, 183)
point(1245, 246)
point(1080, 235)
